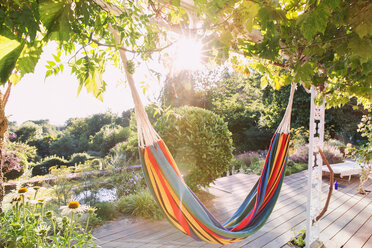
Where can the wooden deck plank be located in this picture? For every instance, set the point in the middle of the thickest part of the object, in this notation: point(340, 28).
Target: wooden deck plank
point(285, 233)
point(345, 232)
point(368, 244)
point(361, 237)
point(286, 215)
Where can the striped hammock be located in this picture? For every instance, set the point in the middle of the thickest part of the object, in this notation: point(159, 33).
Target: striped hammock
point(181, 206)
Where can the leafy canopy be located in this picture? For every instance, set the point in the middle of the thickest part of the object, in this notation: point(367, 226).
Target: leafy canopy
point(325, 43)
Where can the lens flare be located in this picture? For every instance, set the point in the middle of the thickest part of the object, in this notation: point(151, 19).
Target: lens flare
point(188, 55)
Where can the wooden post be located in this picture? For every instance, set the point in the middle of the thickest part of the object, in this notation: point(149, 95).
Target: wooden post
point(315, 163)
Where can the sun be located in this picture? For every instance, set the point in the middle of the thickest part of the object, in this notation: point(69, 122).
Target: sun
point(188, 55)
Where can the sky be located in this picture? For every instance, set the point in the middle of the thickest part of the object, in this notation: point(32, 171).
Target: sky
point(55, 98)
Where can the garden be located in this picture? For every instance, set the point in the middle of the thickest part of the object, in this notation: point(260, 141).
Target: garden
point(58, 183)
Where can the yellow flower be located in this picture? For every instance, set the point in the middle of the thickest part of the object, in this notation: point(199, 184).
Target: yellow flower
point(22, 190)
point(73, 205)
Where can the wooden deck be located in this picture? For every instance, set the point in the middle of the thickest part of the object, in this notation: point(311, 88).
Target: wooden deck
point(347, 223)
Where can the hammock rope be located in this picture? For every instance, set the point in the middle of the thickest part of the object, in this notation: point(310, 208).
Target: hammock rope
point(180, 205)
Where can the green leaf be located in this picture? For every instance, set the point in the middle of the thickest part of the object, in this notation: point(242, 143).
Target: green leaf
point(29, 58)
point(315, 21)
point(48, 73)
point(10, 51)
point(56, 58)
point(55, 17)
point(363, 29)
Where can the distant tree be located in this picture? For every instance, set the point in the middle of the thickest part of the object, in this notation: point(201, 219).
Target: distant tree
point(124, 119)
point(28, 131)
point(108, 137)
point(47, 128)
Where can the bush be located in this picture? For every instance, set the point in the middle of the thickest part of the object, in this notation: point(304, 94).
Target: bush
point(332, 154)
point(299, 137)
point(337, 143)
point(235, 165)
point(141, 204)
point(12, 167)
point(28, 131)
point(106, 210)
point(126, 183)
point(24, 152)
point(249, 157)
point(43, 167)
point(293, 167)
point(79, 158)
point(127, 149)
point(199, 138)
point(255, 167)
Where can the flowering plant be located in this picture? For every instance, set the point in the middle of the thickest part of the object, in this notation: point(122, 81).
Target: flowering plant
point(28, 224)
point(363, 153)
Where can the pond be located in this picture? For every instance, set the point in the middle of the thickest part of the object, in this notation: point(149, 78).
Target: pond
point(102, 195)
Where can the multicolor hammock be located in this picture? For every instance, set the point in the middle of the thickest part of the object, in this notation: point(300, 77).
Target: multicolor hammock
point(180, 205)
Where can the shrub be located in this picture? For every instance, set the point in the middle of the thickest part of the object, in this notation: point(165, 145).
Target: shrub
point(337, 143)
point(126, 183)
point(255, 167)
point(65, 145)
point(127, 149)
point(293, 167)
point(141, 204)
point(24, 152)
point(43, 167)
point(332, 154)
point(79, 158)
point(43, 145)
point(200, 138)
point(28, 131)
point(249, 157)
point(106, 210)
point(299, 137)
point(235, 165)
point(12, 167)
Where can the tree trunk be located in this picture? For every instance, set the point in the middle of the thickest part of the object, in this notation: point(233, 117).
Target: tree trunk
point(3, 129)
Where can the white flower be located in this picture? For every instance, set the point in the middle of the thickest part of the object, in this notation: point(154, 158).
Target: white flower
point(42, 229)
point(40, 201)
point(74, 207)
